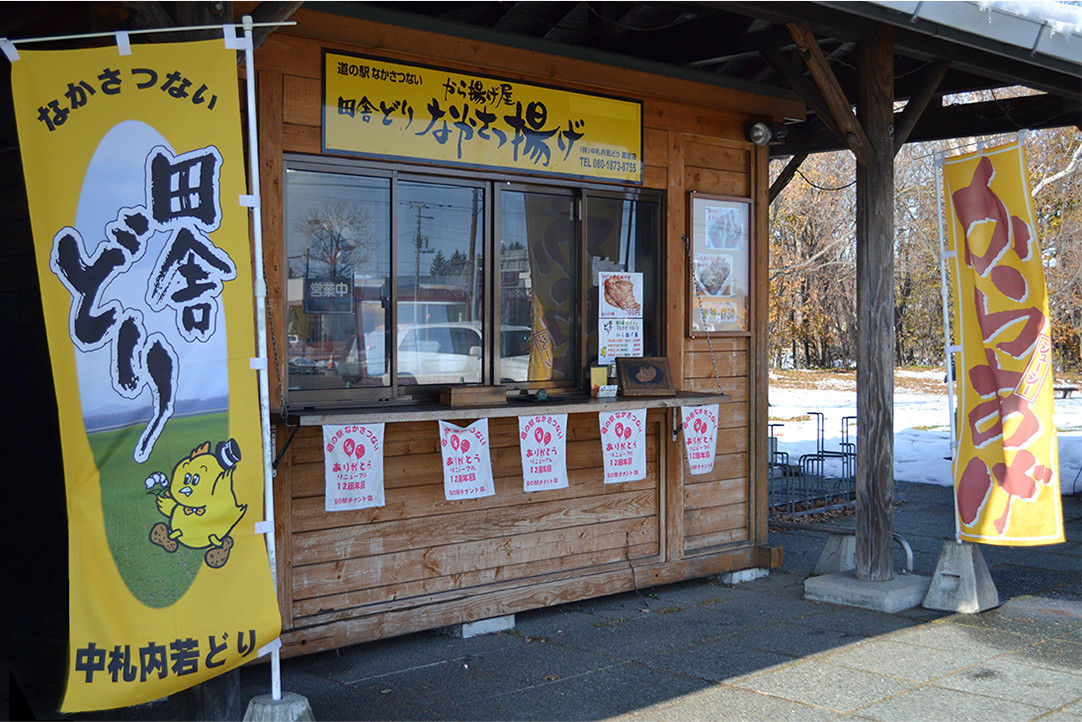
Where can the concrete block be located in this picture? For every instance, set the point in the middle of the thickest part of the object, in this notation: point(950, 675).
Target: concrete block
point(744, 575)
point(902, 592)
point(291, 707)
point(961, 582)
point(839, 554)
point(482, 626)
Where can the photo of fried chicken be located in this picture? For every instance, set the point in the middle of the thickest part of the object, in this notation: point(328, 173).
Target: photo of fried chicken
point(620, 293)
point(714, 274)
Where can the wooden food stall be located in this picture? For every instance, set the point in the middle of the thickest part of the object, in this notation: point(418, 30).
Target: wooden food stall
point(412, 268)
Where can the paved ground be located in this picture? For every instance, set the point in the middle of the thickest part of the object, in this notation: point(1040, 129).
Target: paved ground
point(702, 650)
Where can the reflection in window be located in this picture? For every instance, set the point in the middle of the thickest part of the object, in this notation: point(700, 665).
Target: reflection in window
point(338, 263)
point(440, 271)
point(538, 254)
point(390, 292)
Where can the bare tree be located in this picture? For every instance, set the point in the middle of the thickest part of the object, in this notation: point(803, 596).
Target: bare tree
point(338, 240)
point(812, 249)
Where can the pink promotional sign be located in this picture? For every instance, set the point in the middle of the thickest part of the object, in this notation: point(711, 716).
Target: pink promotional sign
point(700, 436)
point(543, 442)
point(623, 444)
point(467, 461)
point(353, 466)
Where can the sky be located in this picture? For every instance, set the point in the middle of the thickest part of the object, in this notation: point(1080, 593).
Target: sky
point(115, 179)
point(921, 430)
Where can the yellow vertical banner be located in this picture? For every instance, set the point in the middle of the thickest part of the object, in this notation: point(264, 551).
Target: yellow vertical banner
point(1006, 467)
point(134, 169)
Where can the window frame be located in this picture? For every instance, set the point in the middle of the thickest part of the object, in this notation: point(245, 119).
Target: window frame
point(579, 193)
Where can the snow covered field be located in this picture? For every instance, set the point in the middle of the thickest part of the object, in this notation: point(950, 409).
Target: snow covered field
point(921, 424)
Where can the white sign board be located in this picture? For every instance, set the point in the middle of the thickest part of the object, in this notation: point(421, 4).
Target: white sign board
point(623, 445)
point(543, 442)
point(467, 461)
point(700, 437)
point(353, 466)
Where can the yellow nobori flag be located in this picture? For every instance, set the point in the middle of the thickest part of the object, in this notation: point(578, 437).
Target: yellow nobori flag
point(1006, 469)
point(134, 167)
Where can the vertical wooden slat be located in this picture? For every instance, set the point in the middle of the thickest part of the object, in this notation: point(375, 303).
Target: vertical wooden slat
point(757, 366)
point(269, 101)
point(673, 495)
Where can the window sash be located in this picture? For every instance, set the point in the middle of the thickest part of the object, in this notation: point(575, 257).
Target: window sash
point(500, 329)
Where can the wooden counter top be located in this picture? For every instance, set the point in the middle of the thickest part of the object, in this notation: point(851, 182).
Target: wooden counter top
point(516, 406)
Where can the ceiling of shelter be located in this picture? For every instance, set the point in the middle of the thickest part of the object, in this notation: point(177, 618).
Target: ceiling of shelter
point(746, 45)
point(742, 43)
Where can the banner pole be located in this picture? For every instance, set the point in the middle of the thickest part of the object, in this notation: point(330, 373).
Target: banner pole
point(948, 351)
point(261, 333)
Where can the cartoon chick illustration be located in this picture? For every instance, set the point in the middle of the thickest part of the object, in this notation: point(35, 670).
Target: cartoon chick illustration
point(200, 502)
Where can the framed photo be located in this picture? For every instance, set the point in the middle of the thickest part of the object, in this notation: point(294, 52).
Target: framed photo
point(648, 376)
point(720, 265)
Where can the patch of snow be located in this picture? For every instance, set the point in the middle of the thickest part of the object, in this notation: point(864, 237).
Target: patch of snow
point(921, 431)
point(1062, 19)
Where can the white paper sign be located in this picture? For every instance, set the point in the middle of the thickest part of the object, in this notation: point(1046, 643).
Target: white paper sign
point(353, 466)
point(467, 461)
point(618, 337)
point(620, 295)
point(543, 443)
point(700, 436)
point(623, 445)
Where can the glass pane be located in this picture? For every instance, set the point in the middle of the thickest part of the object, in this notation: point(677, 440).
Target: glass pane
point(440, 283)
point(625, 235)
point(538, 252)
point(337, 229)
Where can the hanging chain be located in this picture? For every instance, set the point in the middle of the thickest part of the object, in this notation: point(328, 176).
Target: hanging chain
point(702, 316)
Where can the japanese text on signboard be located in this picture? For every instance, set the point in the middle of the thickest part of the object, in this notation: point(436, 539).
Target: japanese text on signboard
point(387, 108)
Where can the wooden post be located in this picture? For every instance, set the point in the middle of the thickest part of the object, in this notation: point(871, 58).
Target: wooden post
point(875, 312)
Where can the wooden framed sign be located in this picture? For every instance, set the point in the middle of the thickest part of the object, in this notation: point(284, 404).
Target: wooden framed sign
point(648, 376)
point(720, 265)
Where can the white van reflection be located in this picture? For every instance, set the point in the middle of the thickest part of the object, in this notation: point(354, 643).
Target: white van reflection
point(444, 353)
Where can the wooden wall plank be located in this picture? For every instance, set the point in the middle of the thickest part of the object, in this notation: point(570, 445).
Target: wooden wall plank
point(714, 492)
point(420, 469)
point(457, 558)
point(386, 537)
point(427, 502)
point(302, 101)
point(700, 542)
point(302, 139)
point(717, 182)
point(717, 157)
point(700, 364)
point(711, 519)
point(403, 595)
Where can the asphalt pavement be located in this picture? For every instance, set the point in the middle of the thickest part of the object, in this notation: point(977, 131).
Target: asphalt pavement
point(707, 650)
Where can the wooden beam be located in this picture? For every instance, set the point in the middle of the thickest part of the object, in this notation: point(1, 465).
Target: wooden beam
point(875, 313)
point(926, 88)
point(838, 105)
point(783, 65)
point(271, 12)
point(942, 122)
point(786, 175)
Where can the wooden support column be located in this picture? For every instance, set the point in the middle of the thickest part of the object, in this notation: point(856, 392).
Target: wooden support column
point(875, 312)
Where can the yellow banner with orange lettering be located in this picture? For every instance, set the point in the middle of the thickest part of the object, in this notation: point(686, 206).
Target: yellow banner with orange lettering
point(390, 109)
point(1006, 466)
point(134, 173)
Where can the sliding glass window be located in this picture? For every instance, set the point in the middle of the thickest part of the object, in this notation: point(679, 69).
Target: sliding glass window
point(399, 284)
